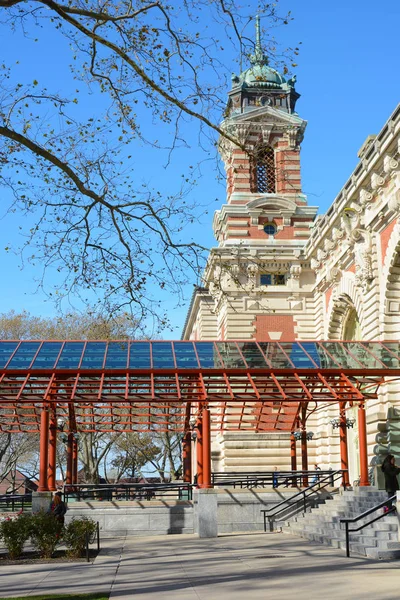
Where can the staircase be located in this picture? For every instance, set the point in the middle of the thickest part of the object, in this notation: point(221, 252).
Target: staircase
point(380, 540)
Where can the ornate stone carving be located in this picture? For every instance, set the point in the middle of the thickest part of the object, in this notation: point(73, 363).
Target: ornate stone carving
point(377, 181)
point(252, 270)
point(295, 272)
point(361, 241)
point(334, 275)
point(394, 201)
point(390, 164)
point(315, 264)
point(365, 196)
point(329, 245)
point(337, 234)
point(321, 255)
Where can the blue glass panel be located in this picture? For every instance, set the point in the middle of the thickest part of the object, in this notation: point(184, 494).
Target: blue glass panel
point(319, 355)
point(47, 355)
point(117, 355)
point(275, 356)
point(70, 356)
point(266, 279)
point(162, 355)
point(6, 349)
point(230, 355)
point(297, 355)
point(139, 355)
point(185, 355)
point(341, 356)
point(208, 355)
point(252, 354)
point(24, 355)
point(93, 357)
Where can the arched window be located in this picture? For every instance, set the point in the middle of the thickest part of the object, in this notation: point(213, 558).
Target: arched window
point(265, 170)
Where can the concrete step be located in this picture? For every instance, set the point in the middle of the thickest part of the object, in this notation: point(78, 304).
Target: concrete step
point(322, 525)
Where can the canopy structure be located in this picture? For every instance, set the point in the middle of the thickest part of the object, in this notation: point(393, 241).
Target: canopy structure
point(147, 385)
point(183, 386)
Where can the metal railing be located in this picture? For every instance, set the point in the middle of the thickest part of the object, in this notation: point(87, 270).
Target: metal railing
point(89, 541)
point(268, 478)
point(300, 499)
point(14, 502)
point(363, 516)
point(128, 491)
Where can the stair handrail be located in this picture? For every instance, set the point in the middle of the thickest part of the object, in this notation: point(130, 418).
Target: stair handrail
point(362, 516)
point(313, 488)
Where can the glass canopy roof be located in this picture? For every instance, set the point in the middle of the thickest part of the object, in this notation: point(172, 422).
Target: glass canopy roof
point(165, 355)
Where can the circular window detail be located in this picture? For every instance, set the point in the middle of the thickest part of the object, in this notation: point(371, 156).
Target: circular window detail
point(270, 228)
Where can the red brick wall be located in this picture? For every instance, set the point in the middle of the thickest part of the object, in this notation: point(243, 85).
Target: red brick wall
point(385, 236)
point(282, 323)
point(328, 295)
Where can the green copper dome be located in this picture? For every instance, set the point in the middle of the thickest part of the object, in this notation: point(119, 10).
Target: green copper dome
point(260, 74)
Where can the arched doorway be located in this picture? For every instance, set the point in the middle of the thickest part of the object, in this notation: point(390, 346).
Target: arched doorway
point(345, 325)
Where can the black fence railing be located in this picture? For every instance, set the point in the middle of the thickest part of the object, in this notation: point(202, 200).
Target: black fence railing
point(15, 502)
point(90, 540)
point(391, 509)
point(273, 479)
point(304, 499)
point(128, 491)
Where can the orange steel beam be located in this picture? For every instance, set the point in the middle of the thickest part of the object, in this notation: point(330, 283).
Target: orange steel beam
point(362, 438)
point(44, 449)
point(52, 448)
point(206, 448)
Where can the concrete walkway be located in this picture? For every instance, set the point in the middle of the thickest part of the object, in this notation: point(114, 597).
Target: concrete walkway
point(238, 567)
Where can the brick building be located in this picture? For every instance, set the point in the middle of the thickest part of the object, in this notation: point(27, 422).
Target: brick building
point(280, 272)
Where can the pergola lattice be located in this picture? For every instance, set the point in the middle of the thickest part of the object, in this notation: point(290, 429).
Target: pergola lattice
point(162, 386)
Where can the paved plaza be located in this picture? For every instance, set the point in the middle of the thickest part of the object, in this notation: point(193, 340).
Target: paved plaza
point(239, 567)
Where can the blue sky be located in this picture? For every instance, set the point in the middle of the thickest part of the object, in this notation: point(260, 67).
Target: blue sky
point(349, 83)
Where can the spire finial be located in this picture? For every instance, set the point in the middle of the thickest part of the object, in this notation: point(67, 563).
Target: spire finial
point(258, 58)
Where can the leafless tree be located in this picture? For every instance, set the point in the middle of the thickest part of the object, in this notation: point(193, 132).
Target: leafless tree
point(148, 65)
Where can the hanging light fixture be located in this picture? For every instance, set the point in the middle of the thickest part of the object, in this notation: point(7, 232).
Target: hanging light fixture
point(335, 423)
point(297, 435)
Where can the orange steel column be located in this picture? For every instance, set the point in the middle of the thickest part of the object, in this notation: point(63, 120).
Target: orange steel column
point(304, 456)
point(206, 449)
point(187, 457)
point(362, 440)
point(199, 452)
point(44, 450)
point(74, 461)
point(293, 457)
point(51, 473)
point(70, 441)
point(344, 462)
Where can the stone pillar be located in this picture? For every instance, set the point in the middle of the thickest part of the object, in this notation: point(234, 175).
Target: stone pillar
point(41, 501)
point(207, 512)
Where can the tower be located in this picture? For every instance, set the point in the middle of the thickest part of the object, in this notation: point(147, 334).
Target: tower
point(258, 277)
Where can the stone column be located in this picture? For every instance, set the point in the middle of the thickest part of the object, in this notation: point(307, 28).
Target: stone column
point(207, 512)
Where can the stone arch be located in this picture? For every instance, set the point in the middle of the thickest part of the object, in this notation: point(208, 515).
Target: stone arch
point(390, 288)
point(344, 304)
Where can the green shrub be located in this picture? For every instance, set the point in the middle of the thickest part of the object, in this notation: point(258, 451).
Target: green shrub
point(46, 533)
point(75, 535)
point(14, 531)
